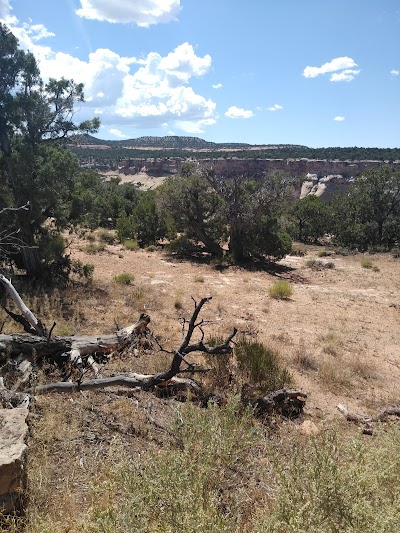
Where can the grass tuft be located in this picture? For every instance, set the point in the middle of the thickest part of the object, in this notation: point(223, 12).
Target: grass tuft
point(124, 279)
point(281, 290)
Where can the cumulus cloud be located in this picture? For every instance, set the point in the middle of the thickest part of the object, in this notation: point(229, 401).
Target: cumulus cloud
point(141, 12)
point(339, 118)
point(345, 64)
point(238, 112)
point(144, 93)
point(217, 86)
point(275, 107)
point(37, 31)
point(345, 75)
point(5, 8)
point(5, 12)
point(394, 72)
point(118, 133)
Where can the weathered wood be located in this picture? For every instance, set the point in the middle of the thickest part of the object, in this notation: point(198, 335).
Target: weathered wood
point(27, 314)
point(365, 419)
point(34, 346)
point(131, 380)
point(285, 402)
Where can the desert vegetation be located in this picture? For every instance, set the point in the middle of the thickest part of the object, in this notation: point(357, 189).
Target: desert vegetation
point(186, 367)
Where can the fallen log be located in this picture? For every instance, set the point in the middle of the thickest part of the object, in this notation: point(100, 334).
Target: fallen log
point(383, 415)
point(60, 349)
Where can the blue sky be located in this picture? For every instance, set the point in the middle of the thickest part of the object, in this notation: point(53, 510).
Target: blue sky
point(317, 73)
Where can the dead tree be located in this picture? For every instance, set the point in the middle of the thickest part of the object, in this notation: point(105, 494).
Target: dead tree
point(38, 342)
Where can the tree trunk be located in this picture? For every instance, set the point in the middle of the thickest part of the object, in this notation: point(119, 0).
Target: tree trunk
point(236, 244)
point(213, 247)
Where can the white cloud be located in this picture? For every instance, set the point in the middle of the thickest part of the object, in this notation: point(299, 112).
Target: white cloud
point(339, 63)
point(144, 93)
point(217, 86)
point(194, 127)
point(238, 112)
point(275, 107)
point(118, 133)
point(345, 75)
point(339, 118)
point(5, 10)
point(394, 72)
point(141, 12)
point(37, 31)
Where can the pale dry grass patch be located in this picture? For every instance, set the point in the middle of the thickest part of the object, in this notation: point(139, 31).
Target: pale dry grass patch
point(331, 343)
point(363, 368)
point(303, 359)
point(335, 375)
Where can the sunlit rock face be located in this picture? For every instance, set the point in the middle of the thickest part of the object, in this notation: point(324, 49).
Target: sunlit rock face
point(324, 187)
point(13, 434)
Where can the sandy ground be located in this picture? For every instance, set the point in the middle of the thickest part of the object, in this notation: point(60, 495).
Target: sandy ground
point(141, 179)
point(343, 321)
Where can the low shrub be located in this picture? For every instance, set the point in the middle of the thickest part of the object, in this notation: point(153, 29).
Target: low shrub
point(314, 264)
point(178, 303)
point(124, 279)
point(199, 279)
point(261, 366)
point(94, 248)
point(131, 244)
point(281, 290)
point(106, 236)
point(366, 263)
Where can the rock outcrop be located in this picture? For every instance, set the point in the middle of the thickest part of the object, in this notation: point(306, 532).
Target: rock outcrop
point(13, 434)
point(324, 187)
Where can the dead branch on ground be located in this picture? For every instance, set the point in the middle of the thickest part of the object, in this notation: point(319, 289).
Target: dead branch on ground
point(368, 421)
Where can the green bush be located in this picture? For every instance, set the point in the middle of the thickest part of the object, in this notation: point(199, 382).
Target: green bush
point(94, 248)
point(83, 270)
point(126, 227)
point(124, 279)
point(261, 366)
point(130, 244)
point(52, 247)
point(281, 290)
point(366, 263)
point(106, 236)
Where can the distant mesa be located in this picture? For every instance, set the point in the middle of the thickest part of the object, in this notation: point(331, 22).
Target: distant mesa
point(315, 171)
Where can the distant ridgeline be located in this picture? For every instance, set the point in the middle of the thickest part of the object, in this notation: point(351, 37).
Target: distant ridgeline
point(164, 155)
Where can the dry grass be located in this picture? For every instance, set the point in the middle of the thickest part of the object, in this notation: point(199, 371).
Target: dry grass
point(87, 450)
point(303, 359)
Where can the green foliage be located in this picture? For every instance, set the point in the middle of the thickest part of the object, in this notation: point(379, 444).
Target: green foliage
point(106, 236)
point(310, 218)
point(281, 290)
point(262, 366)
point(366, 263)
point(369, 215)
point(195, 208)
point(183, 246)
point(94, 248)
point(245, 212)
point(35, 172)
point(52, 247)
point(126, 228)
point(83, 270)
point(130, 244)
point(124, 279)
